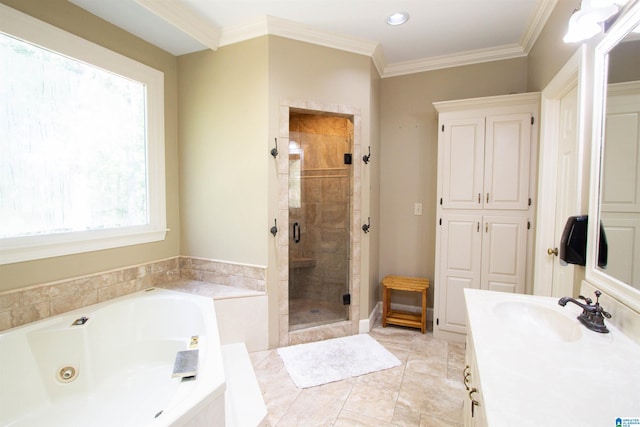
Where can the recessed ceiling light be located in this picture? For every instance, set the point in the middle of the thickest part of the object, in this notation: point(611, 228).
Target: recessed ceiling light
point(398, 18)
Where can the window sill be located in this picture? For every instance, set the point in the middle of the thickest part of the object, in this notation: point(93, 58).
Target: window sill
point(38, 247)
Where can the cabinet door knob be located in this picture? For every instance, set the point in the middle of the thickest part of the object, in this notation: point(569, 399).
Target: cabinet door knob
point(553, 251)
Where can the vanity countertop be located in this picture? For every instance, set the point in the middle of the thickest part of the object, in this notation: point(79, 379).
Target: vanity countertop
point(537, 369)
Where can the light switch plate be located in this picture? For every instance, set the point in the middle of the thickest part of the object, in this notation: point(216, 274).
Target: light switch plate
point(417, 209)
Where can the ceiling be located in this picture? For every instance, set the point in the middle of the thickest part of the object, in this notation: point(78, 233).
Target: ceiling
point(439, 33)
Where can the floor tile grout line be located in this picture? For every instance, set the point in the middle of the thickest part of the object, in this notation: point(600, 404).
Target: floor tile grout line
point(342, 407)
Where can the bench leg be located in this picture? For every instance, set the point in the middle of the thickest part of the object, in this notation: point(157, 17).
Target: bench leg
point(423, 326)
point(386, 297)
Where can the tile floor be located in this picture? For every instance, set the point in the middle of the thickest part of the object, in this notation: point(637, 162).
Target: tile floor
point(425, 391)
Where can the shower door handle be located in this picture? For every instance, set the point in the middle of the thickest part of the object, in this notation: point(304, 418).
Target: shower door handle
point(296, 232)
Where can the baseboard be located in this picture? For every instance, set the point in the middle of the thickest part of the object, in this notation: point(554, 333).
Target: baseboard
point(366, 325)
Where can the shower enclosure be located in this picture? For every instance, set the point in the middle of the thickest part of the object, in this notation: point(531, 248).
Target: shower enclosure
point(320, 186)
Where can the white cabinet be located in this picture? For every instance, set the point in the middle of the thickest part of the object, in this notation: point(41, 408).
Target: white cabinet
point(486, 155)
point(459, 267)
point(504, 253)
point(485, 162)
point(480, 252)
point(461, 142)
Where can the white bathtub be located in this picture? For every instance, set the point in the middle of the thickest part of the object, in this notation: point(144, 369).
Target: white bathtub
point(124, 356)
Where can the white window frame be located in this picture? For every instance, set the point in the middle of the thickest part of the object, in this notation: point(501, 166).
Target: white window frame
point(34, 31)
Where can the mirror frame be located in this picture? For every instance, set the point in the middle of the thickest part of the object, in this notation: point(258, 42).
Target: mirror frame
point(626, 294)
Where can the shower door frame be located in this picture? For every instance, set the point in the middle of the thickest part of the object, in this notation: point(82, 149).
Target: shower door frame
point(340, 328)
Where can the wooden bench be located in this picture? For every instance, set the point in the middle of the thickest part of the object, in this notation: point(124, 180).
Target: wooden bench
point(403, 318)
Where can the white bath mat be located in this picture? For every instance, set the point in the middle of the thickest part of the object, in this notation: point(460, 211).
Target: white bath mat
point(323, 362)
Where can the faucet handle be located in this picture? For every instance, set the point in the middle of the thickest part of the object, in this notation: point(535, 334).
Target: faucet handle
point(585, 299)
point(600, 309)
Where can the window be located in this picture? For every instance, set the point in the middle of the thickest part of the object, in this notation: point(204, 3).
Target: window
point(82, 143)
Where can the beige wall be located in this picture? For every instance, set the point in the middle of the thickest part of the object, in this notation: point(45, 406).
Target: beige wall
point(550, 53)
point(224, 152)
point(75, 20)
point(409, 157)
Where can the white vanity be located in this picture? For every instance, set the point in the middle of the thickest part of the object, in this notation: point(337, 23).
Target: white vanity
point(531, 363)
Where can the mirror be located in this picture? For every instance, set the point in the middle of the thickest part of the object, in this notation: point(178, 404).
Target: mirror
point(615, 198)
point(620, 164)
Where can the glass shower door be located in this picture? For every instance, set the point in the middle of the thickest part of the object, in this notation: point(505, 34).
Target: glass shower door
point(319, 213)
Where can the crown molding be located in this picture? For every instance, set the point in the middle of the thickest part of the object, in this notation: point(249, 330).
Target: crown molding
point(454, 60)
point(240, 33)
point(378, 60)
point(270, 25)
point(510, 100)
point(185, 19)
point(537, 21)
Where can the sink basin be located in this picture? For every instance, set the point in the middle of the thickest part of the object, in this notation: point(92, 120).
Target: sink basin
point(537, 321)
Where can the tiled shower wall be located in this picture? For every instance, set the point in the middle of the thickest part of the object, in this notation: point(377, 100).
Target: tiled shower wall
point(26, 305)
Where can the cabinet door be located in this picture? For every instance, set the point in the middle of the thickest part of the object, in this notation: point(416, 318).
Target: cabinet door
point(504, 253)
point(462, 169)
point(506, 163)
point(460, 262)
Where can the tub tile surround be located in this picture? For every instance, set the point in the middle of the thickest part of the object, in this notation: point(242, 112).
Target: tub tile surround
point(224, 273)
point(26, 305)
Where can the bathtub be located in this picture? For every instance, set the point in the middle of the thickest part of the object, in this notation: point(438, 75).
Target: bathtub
point(116, 368)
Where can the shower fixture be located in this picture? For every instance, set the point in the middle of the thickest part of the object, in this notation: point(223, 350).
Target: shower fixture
point(367, 157)
point(366, 227)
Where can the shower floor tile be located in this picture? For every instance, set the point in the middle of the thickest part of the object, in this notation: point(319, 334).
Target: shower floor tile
point(305, 313)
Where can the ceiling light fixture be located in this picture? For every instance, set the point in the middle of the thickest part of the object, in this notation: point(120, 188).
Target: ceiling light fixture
point(398, 18)
point(588, 21)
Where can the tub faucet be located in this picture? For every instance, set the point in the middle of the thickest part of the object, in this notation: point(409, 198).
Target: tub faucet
point(592, 316)
point(80, 321)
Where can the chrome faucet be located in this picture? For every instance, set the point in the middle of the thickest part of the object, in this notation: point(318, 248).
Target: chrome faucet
point(592, 316)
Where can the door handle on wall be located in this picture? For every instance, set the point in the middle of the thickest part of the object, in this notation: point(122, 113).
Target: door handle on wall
point(296, 232)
